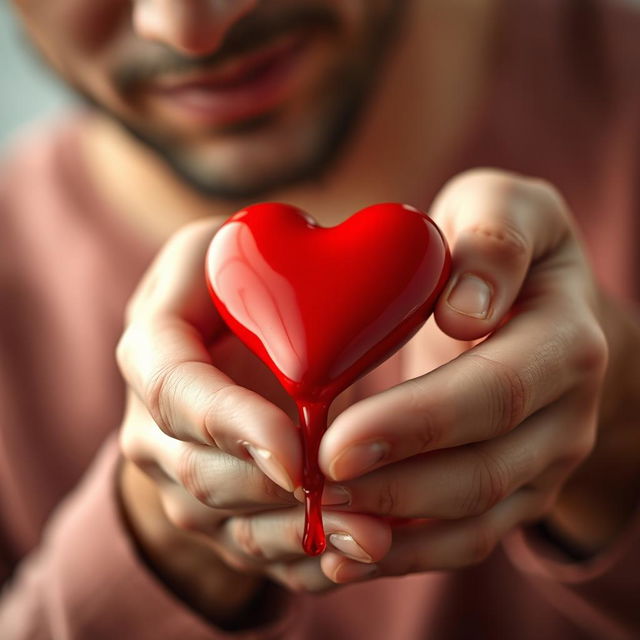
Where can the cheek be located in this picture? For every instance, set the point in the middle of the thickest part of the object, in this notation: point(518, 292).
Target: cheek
point(67, 28)
point(79, 37)
point(96, 24)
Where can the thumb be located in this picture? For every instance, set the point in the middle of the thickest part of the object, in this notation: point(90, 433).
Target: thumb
point(497, 225)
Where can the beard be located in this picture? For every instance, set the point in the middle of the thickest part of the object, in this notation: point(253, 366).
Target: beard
point(254, 162)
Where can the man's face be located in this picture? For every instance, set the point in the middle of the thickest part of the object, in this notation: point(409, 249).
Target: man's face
point(262, 99)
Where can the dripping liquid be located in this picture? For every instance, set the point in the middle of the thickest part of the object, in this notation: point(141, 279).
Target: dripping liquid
point(313, 424)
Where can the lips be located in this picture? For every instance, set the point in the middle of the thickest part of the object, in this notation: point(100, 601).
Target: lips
point(243, 88)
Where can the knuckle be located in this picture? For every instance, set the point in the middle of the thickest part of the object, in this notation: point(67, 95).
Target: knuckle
point(489, 485)
point(592, 355)
point(213, 498)
point(511, 396)
point(246, 541)
point(428, 432)
point(132, 448)
point(502, 239)
point(506, 393)
point(160, 395)
point(221, 402)
point(387, 500)
point(180, 516)
point(189, 476)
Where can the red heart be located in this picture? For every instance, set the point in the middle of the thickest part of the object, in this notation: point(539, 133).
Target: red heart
point(323, 306)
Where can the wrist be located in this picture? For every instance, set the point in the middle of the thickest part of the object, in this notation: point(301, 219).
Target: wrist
point(183, 561)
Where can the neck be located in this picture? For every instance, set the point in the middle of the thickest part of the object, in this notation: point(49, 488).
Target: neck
point(416, 122)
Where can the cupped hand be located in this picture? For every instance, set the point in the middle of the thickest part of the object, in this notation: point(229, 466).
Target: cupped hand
point(223, 457)
point(484, 442)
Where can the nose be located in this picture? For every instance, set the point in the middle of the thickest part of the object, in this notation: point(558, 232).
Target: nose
point(192, 27)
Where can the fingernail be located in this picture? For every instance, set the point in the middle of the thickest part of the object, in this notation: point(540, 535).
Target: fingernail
point(345, 543)
point(334, 495)
point(357, 459)
point(270, 466)
point(470, 296)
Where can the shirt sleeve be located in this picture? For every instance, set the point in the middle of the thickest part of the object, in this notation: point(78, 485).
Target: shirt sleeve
point(85, 580)
point(599, 594)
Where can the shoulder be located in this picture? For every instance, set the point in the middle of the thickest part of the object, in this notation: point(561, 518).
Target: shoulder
point(35, 145)
point(30, 212)
point(34, 178)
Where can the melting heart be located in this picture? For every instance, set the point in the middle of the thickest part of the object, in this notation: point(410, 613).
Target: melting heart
point(322, 306)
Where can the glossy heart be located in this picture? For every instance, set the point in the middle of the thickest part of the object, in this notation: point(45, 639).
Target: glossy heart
point(321, 306)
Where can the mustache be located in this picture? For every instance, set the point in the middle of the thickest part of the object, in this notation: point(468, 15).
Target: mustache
point(250, 33)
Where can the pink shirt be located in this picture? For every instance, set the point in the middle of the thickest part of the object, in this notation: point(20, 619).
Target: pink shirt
point(68, 565)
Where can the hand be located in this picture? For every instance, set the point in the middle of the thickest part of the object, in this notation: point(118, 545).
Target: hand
point(223, 459)
point(487, 441)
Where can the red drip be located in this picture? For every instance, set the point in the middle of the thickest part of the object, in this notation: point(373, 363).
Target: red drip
point(313, 424)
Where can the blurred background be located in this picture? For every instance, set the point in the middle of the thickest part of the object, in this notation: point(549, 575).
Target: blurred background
point(28, 89)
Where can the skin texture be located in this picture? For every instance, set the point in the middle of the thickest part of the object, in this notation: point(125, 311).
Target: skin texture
point(214, 516)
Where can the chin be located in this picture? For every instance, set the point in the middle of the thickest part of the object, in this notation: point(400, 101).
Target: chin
point(253, 163)
point(245, 181)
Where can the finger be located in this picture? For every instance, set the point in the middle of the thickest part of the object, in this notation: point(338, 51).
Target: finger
point(467, 481)
point(191, 400)
point(214, 478)
point(219, 480)
point(442, 545)
point(301, 576)
point(163, 357)
point(276, 536)
point(497, 225)
point(527, 364)
point(174, 284)
point(187, 514)
point(341, 570)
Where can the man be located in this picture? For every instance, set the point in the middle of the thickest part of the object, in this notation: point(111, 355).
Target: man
point(515, 456)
